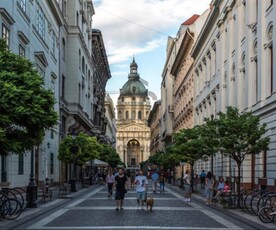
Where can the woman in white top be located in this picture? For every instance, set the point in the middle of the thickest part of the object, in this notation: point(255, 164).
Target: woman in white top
point(187, 186)
point(110, 179)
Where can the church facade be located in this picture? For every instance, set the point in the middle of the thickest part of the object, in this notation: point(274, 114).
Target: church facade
point(133, 108)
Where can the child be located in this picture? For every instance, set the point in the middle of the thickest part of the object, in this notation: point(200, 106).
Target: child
point(226, 188)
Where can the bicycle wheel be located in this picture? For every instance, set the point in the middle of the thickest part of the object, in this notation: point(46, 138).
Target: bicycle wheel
point(246, 201)
point(266, 200)
point(3, 204)
point(254, 201)
point(19, 196)
point(265, 215)
point(13, 209)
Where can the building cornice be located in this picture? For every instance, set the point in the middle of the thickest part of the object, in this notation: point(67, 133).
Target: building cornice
point(209, 23)
point(54, 6)
point(183, 51)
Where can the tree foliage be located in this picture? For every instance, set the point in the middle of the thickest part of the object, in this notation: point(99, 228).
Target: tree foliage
point(26, 107)
point(240, 134)
point(87, 148)
point(154, 159)
point(109, 155)
point(192, 145)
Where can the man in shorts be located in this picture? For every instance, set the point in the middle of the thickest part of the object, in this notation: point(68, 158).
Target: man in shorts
point(120, 183)
point(141, 182)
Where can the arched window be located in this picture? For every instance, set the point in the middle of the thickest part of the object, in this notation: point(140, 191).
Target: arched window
point(139, 115)
point(147, 114)
point(119, 115)
point(82, 66)
point(127, 115)
point(89, 79)
point(255, 50)
point(63, 49)
point(79, 59)
point(270, 58)
point(86, 71)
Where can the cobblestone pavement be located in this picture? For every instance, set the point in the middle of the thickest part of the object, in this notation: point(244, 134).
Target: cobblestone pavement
point(92, 209)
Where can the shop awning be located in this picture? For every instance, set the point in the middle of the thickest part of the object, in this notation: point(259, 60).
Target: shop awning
point(98, 163)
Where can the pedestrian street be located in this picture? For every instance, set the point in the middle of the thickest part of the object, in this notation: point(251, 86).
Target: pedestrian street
point(94, 210)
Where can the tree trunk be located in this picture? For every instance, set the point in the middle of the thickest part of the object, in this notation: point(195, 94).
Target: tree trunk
point(239, 182)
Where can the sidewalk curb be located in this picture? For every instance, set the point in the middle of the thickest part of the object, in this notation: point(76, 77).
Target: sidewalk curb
point(43, 208)
point(234, 213)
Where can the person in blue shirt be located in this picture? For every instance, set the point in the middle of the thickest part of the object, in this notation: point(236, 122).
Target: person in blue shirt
point(154, 178)
point(202, 177)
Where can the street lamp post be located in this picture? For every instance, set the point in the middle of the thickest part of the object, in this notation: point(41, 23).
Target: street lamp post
point(74, 150)
point(31, 188)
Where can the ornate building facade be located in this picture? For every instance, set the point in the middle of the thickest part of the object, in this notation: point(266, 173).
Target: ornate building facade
point(100, 77)
point(133, 108)
point(234, 66)
point(31, 29)
point(56, 35)
point(155, 128)
point(110, 121)
point(182, 71)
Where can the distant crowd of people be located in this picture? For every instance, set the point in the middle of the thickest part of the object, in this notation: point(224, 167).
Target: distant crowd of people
point(118, 180)
point(122, 180)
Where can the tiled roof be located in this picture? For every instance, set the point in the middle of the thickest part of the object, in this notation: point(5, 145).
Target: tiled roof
point(191, 20)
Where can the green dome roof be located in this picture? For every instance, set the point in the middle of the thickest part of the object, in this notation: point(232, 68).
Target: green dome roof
point(134, 86)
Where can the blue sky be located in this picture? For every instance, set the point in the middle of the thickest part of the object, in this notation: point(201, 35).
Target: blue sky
point(140, 28)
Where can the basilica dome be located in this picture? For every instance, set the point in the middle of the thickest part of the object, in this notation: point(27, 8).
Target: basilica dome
point(133, 86)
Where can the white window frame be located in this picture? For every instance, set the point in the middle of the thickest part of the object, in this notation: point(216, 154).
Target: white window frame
point(6, 33)
point(20, 49)
point(22, 4)
point(53, 44)
point(41, 22)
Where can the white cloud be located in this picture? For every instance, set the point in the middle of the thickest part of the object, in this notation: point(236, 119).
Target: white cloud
point(123, 53)
point(140, 28)
point(115, 74)
point(130, 27)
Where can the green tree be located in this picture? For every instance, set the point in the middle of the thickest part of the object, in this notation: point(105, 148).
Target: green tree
point(26, 107)
point(191, 145)
point(240, 134)
point(109, 155)
point(88, 148)
point(167, 158)
point(154, 159)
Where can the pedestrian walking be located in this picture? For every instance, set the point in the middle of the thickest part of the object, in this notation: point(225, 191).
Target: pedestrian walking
point(209, 184)
point(110, 179)
point(162, 183)
point(120, 183)
point(202, 177)
point(154, 178)
point(187, 186)
point(132, 179)
point(141, 182)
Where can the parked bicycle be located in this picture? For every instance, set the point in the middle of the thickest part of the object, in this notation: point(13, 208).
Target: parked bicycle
point(10, 208)
point(267, 213)
point(12, 203)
